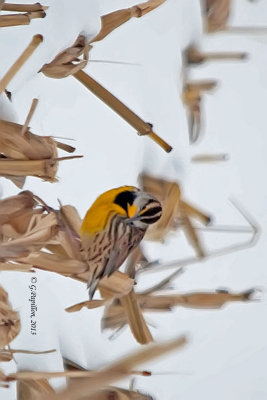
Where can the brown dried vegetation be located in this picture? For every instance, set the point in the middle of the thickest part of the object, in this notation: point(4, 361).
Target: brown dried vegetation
point(9, 320)
point(176, 212)
point(22, 153)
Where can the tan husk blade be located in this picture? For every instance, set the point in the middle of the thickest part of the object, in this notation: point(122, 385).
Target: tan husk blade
point(119, 394)
point(25, 154)
point(116, 371)
point(175, 212)
point(29, 116)
point(90, 304)
point(14, 20)
point(7, 355)
point(15, 205)
point(135, 318)
point(67, 62)
point(15, 266)
point(192, 300)
point(33, 389)
point(9, 320)
point(117, 18)
point(22, 7)
point(35, 42)
point(194, 56)
point(192, 98)
point(217, 14)
point(117, 285)
point(115, 317)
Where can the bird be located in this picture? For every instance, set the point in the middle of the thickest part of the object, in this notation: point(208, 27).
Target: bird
point(113, 226)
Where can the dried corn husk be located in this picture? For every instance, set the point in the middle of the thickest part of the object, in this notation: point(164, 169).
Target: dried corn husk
point(116, 393)
point(90, 304)
point(32, 46)
point(15, 206)
point(23, 7)
point(67, 62)
point(135, 318)
point(33, 389)
point(88, 388)
point(7, 355)
point(111, 390)
point(217, 14)
point(20, 19)
point(32, 384)
point(117, 18)
point(26, 154)
point(192, 98)
point(9, 320)
point(175, 212)
point(194, 56)
point(115, 317)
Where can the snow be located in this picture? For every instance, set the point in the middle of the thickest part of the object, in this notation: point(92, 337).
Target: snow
point(226, 356)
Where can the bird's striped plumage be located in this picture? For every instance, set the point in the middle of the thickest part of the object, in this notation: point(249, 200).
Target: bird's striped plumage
point(113, 227)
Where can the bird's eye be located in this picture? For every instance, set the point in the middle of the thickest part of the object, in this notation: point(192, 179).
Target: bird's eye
point(151, 213)
point(124, 199)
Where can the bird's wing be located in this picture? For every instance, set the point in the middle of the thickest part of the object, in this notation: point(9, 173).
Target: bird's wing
point(123, 247)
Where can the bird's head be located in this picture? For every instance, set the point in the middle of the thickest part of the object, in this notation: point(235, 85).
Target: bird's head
point(140, 208)
point(137, 207)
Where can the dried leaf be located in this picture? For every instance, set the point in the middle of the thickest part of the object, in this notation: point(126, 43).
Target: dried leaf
point(116, 371)
point(90, 304)
point(3, 295)
point(23, 7)
point(117, 285)
point(7, 355)
point(194, 56)
point(15, 266)
point(14, 20)
point(19, 181)
point(72, 217)
point(217, 14)
point(24, 153)
point(15, 205)
point(54, 263)
point(67, 62)
point(45, 228)
point(9, 320)
point(20, 19)
point(33, 389)
point(114, 317)
point(175, 211)
point(112, 21)
point(135, 318)
point(192, 236)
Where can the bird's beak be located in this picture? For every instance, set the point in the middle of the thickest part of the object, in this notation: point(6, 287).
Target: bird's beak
point(131, 210)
